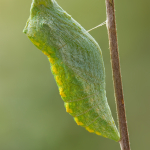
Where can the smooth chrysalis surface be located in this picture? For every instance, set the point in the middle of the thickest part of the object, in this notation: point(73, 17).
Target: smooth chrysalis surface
point(76, 63)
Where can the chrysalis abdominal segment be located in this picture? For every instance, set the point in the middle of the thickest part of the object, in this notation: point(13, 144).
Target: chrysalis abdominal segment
point(76, 63)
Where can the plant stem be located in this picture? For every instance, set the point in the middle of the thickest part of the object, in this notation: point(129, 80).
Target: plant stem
point(113, 45)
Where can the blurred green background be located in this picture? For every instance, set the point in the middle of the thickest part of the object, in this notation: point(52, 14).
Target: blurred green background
point(32, 114)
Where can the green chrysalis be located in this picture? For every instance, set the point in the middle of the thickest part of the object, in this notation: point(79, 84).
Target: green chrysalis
point(76, 63)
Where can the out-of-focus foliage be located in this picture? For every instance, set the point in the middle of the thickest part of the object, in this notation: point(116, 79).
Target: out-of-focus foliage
point(32, 115)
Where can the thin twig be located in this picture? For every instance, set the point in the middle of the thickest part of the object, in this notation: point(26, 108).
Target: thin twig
point(113, 45)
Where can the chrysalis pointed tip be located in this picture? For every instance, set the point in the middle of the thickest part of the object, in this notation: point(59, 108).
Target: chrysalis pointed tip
point(46, 3)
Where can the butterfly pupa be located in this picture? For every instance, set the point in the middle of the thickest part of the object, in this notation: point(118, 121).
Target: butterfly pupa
point(76, 63)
